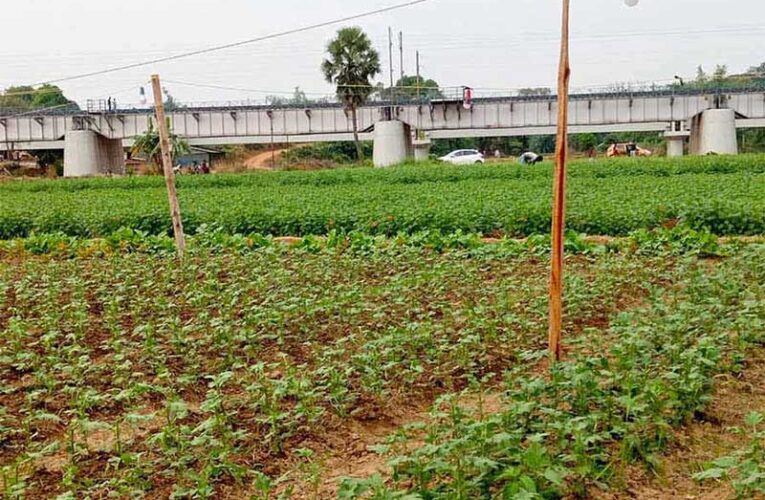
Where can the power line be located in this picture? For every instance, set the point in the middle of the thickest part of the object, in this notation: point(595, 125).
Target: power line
point(217, 48)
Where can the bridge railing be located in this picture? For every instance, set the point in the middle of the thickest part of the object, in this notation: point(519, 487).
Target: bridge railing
point(417, 95)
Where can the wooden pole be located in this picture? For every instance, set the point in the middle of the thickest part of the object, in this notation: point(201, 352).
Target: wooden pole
point(559, 193)
point(167, 166)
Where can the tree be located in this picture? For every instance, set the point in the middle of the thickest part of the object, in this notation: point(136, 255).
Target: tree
point(148, 144)
point(720, 73)
point(757, 71)
point(350, 64)
point(48, 96)
point(17, 97)
point(170, 103)
point(406, 88)
point(701, 76)
point(298, 99)
point(25, 98)
point(584, 142)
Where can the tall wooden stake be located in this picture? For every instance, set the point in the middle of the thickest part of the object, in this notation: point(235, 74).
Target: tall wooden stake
point(167, 166)
point(559, 192)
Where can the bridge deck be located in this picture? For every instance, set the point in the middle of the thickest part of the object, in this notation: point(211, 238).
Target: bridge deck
point(499, 116)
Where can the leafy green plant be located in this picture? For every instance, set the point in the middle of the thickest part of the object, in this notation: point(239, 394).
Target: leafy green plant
point(148, 144)
point(723, 196)
point(746, 468)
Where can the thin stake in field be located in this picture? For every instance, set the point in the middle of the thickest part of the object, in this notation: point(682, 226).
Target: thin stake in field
point(559, 192)
point(167, 166)
point(559, 187)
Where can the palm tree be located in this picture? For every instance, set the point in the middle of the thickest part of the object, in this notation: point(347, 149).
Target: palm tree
point(351, 63)
point(148, 144)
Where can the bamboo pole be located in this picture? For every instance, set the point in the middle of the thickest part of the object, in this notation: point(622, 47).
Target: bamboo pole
point(167, 166)
point(559, 193)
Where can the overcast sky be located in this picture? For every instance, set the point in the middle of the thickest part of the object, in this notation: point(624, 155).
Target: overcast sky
point(488, 44)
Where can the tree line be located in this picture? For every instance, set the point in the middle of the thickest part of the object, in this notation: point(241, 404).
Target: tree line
point(24, 98)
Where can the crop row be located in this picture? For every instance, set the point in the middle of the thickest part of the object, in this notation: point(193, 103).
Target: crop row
point(126, 374)
point(613, 404)
point(609, 199)
point(417, 174)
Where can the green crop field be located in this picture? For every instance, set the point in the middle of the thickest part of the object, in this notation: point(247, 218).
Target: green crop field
point(391, 351)
point(241, 372)
point(725, 195)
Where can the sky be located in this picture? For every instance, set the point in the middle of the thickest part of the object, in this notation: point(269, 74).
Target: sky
point(493, 46)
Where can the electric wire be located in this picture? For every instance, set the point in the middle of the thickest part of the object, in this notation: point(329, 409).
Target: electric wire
point(217, 48)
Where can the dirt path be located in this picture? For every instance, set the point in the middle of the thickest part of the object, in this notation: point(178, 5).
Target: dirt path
point(263, 160)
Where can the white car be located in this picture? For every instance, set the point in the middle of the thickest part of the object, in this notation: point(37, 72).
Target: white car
point(463, 157)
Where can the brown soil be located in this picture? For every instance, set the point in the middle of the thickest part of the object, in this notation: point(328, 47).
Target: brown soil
point(264, 160)
point(353, 455)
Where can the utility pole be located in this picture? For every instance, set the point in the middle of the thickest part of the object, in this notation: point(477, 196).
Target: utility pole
point(419, 98)
point(418, 76)
point(167, 166)
point(390, 57)
point(401, 52)
point(559, 193)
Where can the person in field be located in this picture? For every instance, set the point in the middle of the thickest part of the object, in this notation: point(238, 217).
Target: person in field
point(530, 158)
point(627, 149)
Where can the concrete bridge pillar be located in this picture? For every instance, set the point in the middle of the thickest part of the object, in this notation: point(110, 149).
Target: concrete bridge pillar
point(421, 149)
point(676, 142)
point(714, 131)
point(392, 143)
point(87, 153)
point(675, 146)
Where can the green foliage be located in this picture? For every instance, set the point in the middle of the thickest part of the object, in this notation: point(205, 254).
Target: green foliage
point(746, 468)
point(722, 195)
point(148, 144)
point(350, 64)
point(678, 240)
point(298, 98)
point(47, 96)
point(333, 153)
point(51, 157)
point(23, 98)
point(20, 97)
point(406, 88)
point(196, 374)
point(751, 140)
point(720, 79)
point(614, 403)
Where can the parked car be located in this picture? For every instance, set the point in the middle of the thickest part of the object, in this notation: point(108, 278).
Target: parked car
point(463, 157)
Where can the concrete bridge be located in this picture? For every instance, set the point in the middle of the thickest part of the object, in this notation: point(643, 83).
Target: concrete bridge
point(93, 141)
